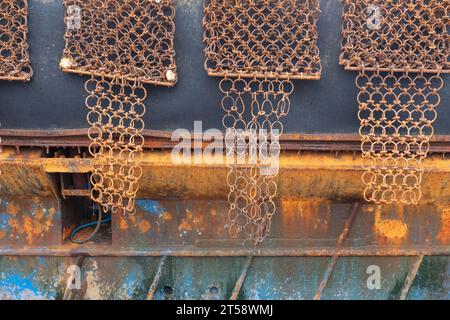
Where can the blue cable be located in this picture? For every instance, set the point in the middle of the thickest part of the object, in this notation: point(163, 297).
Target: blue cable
point(87, 225)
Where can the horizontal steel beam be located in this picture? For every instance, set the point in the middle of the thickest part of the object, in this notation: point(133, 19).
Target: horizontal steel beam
point(189, 251)
point(302, 176)
point(155, 139)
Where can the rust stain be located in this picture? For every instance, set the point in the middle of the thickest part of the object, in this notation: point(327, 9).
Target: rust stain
point(394, 230)
point(305, 216)
point(191, 222)
point(2, 234)
point(67, 231)
point(144, 226)
point(166, 216)
point(12, 208)
point(444, 233)
point(123, 224)
point(368, 209)
point(185, 226)
point(32, 226)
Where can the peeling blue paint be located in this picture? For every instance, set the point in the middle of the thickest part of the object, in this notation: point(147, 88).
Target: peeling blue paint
point(151, 206)
point(4, 221)
point(19, 286)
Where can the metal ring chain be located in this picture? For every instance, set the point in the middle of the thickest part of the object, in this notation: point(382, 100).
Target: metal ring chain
point(14, 57)
point(397, 112)
point(132, 38)
point(253, 110)
point(401, 34)
point(262, 37)
point(115, 114)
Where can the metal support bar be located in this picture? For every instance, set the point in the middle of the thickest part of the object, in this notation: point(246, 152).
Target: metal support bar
point(240, 281)
point(339, 245)
point(154, 285)
point(410, 277)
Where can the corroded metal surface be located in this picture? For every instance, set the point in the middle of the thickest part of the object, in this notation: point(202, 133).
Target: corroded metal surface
point(14, 57)
point(199, 228)
point(212, 278)
point(30, 221)
point(319, 175)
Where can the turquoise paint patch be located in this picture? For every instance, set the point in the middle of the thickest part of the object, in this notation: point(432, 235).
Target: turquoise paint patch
point(16, 286)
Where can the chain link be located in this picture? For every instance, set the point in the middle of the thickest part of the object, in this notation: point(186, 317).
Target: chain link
point(257, 47)
point(405, 35)
point(115, 114)
point(253, 112)
point(262, 38)
point(396, 114)
point(121, 38)
point(400, 54)
point(121, 45)
point(14, 57)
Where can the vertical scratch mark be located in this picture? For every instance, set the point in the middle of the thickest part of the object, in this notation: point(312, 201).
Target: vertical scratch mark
point(339, 245)
point(240, 281)
point(410, 277)
point(154, 285)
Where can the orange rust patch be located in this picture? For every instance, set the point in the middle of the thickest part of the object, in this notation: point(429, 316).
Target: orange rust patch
point(123, 224)
point(166, 216)
point(444, 232)
point(368, 209)
point(185, 225)
point(192, 221)
point(144, 226)
point(66, 231)
point(2, 234)
point(213, 212)
point(39, 213)
point(392, 229)
point(12, 208)
point(32, 226)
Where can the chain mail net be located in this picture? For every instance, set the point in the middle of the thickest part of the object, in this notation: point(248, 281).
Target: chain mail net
point(121, 45)
point(396, 115)
point(262, 38)
point(14, 58)
point(253, 113)
point(257, 47)
point(400, 48)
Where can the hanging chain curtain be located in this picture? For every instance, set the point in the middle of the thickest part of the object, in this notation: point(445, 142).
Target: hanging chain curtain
point(400, 49)
point(257, 47)
point(122, 45)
